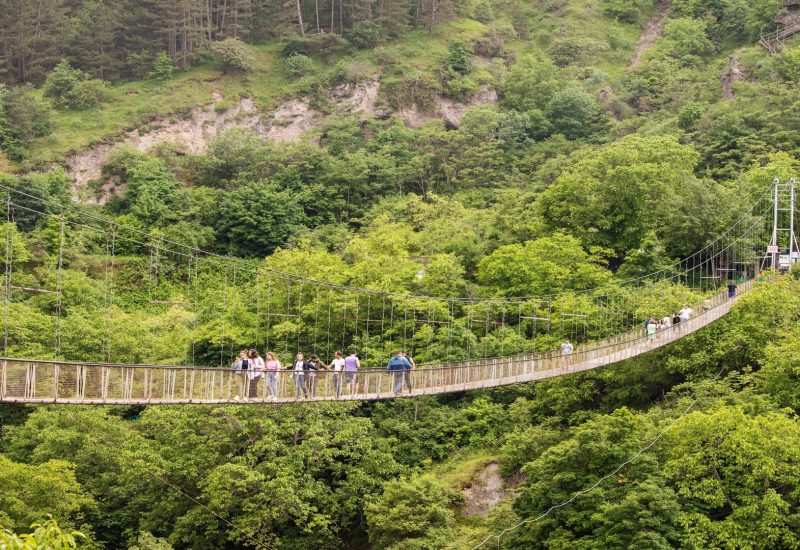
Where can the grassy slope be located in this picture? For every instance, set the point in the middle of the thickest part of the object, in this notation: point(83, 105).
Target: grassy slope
point(134, 104)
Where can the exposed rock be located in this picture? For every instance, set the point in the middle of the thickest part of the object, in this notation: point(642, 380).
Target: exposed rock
point(730, 76)
point(485, 491)
point(291, 120)
point(652, 32)
point(193, 134)
point(448, 110)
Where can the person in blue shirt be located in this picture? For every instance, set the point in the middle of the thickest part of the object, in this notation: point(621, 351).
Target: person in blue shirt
point(398, 366)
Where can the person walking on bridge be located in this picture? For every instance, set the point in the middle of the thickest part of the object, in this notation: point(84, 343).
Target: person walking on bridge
point(731, 289)
point(398, 366)
point(407, 375)
point(686, 314)
point(254, 374)
point(242, 367)
point(299, 369)
point(273, 366)
point(314, 366)
point(351, 365)
point(566, 352)
point(338, 372)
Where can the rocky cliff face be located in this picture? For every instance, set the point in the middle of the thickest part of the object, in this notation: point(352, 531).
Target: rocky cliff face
point(291, 121)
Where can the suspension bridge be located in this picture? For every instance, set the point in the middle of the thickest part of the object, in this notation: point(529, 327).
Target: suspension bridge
point(462, 344)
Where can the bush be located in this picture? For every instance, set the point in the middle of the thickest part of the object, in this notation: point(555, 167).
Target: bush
point(73, 89)
point(87, 94)
point(319, 45)
point(23, 117)
point(162, 67)
point(234, 55)
point(574, 113)
point(787, 64)
point(140, 63)
point(364, 35)
point(460, 56)
point(626, 10)
point(299, 65)
point(483, 12)
point(566, 51)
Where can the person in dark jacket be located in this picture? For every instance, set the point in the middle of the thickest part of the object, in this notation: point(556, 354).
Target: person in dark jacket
point(398, 366)
point(314, 365)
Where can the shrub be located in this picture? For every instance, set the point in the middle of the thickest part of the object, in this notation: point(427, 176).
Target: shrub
point(234, 55)
point(787, 64)
point(385, 58)
point(626, 10)
point(566, 51)
point(140, 63)
point(87, 94)
point(318, 45)
point(162, 67)
point(23, 117)
point(460, 56)
point(74, 89)
point(483, 12)
point(299, 65)
point(364, 35)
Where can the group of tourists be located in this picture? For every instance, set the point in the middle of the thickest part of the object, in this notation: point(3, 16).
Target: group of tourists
point(250, 368)
point(678, 319)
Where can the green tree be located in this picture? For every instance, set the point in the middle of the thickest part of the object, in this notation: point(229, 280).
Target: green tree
point(575, 114)
point(257, 218)
point(543, 266)
point(234, 55)
point(46, 536)
point(412, 513)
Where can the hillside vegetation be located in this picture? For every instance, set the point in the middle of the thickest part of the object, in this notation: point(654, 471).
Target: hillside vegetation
point(593, 141)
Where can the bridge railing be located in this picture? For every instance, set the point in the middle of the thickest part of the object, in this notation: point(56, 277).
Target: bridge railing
point(33, 381)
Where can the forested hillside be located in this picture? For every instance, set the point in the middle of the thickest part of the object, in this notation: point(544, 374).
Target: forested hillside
point(453, 149)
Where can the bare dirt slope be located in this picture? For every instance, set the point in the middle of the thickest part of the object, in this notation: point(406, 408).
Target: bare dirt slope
point(652, 32)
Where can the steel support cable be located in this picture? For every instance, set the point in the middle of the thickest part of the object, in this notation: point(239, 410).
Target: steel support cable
point(8, 271)
point(597, 483)
point(59, 285)
point(295, 277)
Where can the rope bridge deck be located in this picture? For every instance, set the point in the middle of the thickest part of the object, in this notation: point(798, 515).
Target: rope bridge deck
point(47, 382)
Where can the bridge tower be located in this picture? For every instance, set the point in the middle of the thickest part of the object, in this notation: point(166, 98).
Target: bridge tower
point(784, 248)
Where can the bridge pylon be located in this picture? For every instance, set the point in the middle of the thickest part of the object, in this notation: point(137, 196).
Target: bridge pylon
point(783, 250)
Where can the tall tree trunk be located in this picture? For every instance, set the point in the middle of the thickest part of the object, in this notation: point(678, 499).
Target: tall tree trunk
point(300, 18)
point(333, 16)
point(316, 9)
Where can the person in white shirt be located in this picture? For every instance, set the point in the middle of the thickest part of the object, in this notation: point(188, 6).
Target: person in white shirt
point(686, 314)
point(566, 351)
point(338, 367)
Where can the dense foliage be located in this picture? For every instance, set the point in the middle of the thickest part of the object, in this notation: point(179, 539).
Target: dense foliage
point(588, 169)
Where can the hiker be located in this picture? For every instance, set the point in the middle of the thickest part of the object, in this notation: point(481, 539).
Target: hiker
point(566, 352)
point(731, 289)
point(273, 366)
point(314, 365)
point(338, 368)
point(676, 319)
point(686, 314)
point(407, 374)
point(398, 366)
point(255, 373)
point(242, 367)
point(299, 368)
point(351, 366)
point(652, 327)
